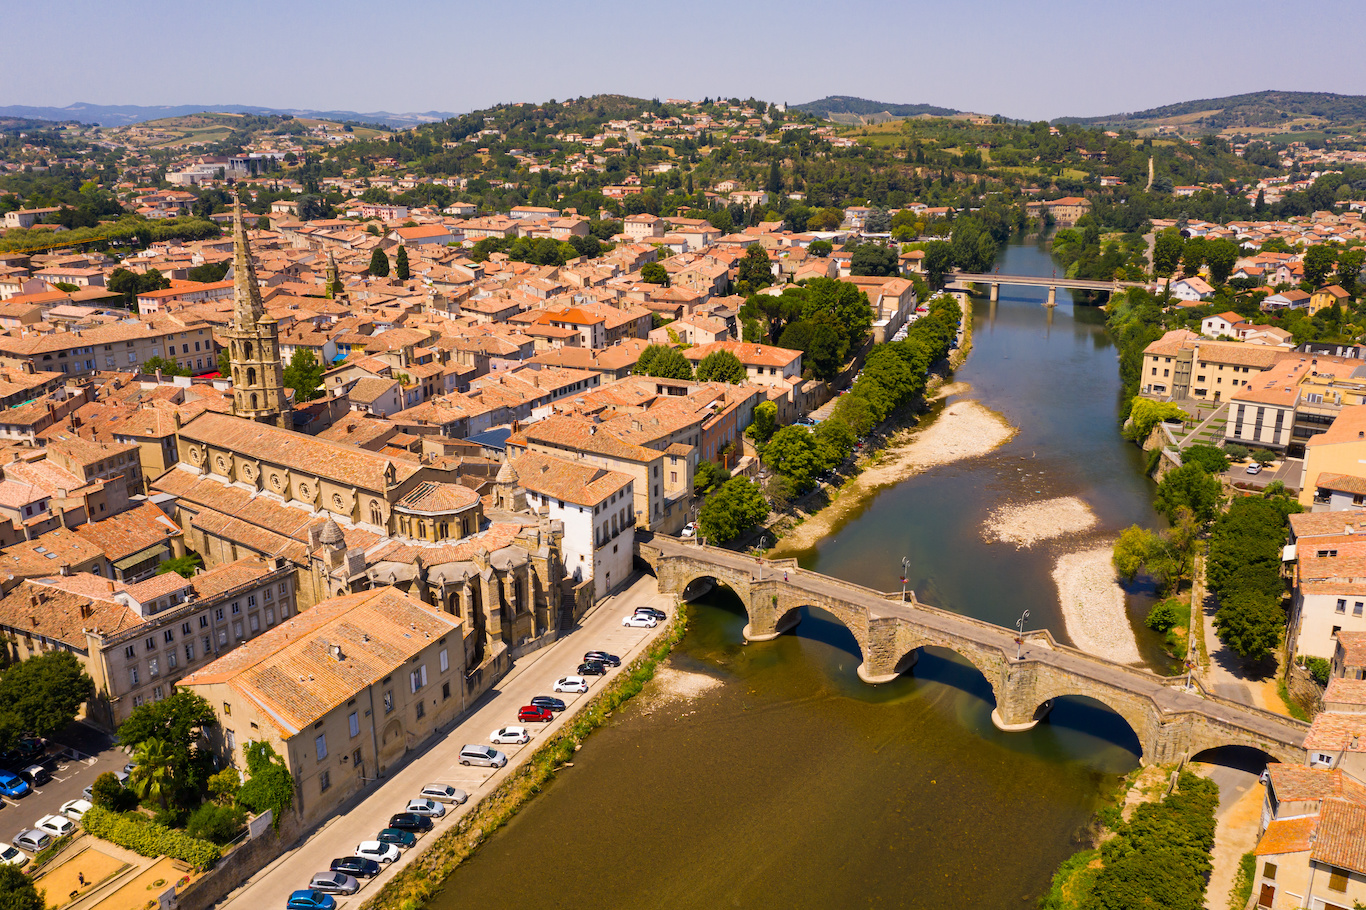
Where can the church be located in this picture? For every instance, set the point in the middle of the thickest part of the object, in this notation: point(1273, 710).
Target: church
point(351, 520)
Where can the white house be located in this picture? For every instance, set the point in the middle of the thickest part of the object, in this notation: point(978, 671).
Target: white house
point(1222, 324)
point(595, 505)
point(1191, 289)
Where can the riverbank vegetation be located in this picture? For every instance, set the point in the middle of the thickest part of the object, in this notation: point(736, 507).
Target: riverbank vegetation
point(417, 882)
point(1159, 859)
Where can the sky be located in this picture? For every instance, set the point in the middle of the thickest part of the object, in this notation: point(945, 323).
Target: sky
point(1021, 58)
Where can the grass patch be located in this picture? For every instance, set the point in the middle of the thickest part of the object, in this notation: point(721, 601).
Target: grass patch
point(412, 887)
point(1242, 883)
point(1295, 710)
point(1073, 882)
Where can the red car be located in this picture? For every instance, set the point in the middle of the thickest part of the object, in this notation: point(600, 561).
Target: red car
point(531, 713)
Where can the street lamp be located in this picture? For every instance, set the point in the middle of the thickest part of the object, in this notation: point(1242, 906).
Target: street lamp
point(905, 570)
point(758, 557)
point(1019, 642)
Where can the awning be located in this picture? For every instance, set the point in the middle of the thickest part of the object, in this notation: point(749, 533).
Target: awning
point(143, 556)
point(1288, 553)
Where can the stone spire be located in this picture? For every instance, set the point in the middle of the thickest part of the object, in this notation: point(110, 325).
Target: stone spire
point(507, 473)
point(247, 306)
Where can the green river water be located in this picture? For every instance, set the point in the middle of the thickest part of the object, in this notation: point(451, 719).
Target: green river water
point(793, 784)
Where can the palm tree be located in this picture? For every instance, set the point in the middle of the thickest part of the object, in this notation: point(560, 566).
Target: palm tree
point(154, 776)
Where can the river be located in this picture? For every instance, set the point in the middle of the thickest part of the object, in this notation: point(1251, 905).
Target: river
point(795, 785)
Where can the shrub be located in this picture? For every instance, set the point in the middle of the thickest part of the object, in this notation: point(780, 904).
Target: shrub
point(145, 838)
point(1162, 616)
point(219, 824)
point(1319, 668)
point(224, 785)
point(1235, 451)
point(108, 793)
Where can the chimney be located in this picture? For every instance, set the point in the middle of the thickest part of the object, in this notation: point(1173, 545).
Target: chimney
point(336, 652)
point(85, 611)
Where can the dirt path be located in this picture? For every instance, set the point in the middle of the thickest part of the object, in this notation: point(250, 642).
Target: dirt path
point(1235, 834)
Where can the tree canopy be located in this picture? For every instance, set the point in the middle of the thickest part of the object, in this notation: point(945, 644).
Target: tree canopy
point(379, 264)
point(663, 361)
point(721, 366)
point(304, 375)
point(731, 510)
point(41, 695)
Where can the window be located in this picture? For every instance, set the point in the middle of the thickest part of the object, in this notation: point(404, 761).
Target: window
point(169, 636)
point(218, 614)
point(445, 660)
point(230, 740)
point(353, 721)
point(171, 661)
point(137, 701)
point(203, 622)
point(320, 746)
point(236, 607)
point(356, 759)
point(251, 600)
point(152, 667)
point(130, 652)
point(157, 694)
point(268, 595)
point(222, 637)
point(189, 653)
point(270, 616)
point(1336, 630)
point(1337, 879)
point(237, 629)
point(418, 678)
point(254, 621)
point(388, 700)
point(133, 675)
point(324, 782)
point(1342, 605)
point(184, 629)
point(151, 644)
point(1356, 608)
point(1269, 871)
point(421, 709)
point(208, 645)
point(284, 588)
point(445, 691)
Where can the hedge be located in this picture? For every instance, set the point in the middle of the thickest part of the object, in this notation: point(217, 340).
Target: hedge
point(145, 838)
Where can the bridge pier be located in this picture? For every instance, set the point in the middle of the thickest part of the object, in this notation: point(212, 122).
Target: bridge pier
point(1052, 297)
point(995, 291)
point(780, 626)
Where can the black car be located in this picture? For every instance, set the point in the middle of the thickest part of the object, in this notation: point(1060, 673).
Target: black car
point(651, 612)
point(410, 821)
point(548, 701)
point(610, 659)
point(36, 775)
point(592, 668)
point(358, 866)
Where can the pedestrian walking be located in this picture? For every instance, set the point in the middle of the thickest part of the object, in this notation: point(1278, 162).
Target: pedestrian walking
point(784, 575)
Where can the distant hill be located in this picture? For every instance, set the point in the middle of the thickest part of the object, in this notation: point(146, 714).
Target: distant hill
point(126, 114)
point(845, 109)
point(1257, 110)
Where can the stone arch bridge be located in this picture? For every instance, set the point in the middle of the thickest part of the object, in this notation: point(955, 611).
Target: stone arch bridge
point(1172, 724)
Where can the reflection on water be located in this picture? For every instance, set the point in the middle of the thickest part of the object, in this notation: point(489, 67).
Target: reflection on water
point(796, 785)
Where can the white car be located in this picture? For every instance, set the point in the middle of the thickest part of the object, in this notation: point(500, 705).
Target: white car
point(637, 621)
point(428, 807)
point(55, 825)
point(514, 735)
point(380, 853)
point(75, 809)
point(13, 856)
point(689, 530)
point(444, 793)
point(571, 684)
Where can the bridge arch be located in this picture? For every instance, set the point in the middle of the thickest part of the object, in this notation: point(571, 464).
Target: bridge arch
point(989, 666)
point(1134, 720)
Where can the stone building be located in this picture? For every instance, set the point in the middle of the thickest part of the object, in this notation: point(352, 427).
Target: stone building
point(258, 387)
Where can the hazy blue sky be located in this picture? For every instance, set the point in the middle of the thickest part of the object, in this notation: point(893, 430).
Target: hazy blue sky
point(1015, 57)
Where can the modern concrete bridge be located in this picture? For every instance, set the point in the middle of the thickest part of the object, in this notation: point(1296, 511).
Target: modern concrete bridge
point(1171, 723)
point(1079, 284)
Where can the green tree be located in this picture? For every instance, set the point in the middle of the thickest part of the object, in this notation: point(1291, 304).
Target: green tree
point(131, 284)
point(224, 785)
point(1235, 451)
point(1190, 487)
point(400, 264)
point(167, 367)
point(17, 891)
point(855, 412)
point(1263, 456)
point(154, 776)
point(728, 512)
point(1211, 459)
point(1147, 414)
point(269, 784)
point(1193, 255)
point(721, 366)
point(664, 362)
point(820, 248)
point(764, 424)
point(304, 375)
point(875, 260)
point(224, 363)
point(792, 452)
point(41, 695)
point(216, 824)
point(938, 262)
point(654, 273)
point(1318, 262)
point(1167, 249)
point(1132, 550)
point(1221, 256)
point(1250, 623)
point(107, 793)
point(209, 272)
point(708, 476)
point(755, 270)
point(834, 440)
point(379, 263)
point(177, 722)
point(185, 566)
point(845, 304)
point(1349, 269)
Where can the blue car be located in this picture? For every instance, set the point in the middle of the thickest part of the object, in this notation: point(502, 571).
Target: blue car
point(12, 785)
point(308, 899)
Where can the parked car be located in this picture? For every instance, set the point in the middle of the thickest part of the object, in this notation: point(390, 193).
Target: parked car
point(593, 667)
point(658, 615)
point(396, 838)
point(1254, 468)
point(548, 701)
point(510, 734)
point(55, 825)
point(12, 785)
point(1265, 777)
point(410, 821)
point(571, 684)
point(689, 530)
point(610, 659)
point(535, 715)
point(806, 422)
point(13, 856)
point(428, 807)
point(75, 809)
point(484, 756)
point(378, 851)
point(127, 770)
point(32, 840)
point(334, 883)
point(640, 621)
point(357, 866)
point(36, 775)
point(308, 899)
point(444, 793)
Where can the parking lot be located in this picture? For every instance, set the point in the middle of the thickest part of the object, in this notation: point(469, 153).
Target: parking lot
point(75, 757)
point(533, 675)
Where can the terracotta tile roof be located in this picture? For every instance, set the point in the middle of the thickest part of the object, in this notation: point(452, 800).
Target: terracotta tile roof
point(130, 532)
point(333, 461)
point(578, 434)
point(749, 353)
point(1341, 836)
point(1342, 691)
point(1353, 648)
point(1326, 524)
point(1297, 783)
point(1292, 835)
point(44, 610)
point(570, 481)
point(46, 555)
point(437, 498)
point(291, 673)
point(1345, 483)
point(1333, 731)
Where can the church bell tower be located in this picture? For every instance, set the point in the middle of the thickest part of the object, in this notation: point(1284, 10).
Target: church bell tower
point(258, 389)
